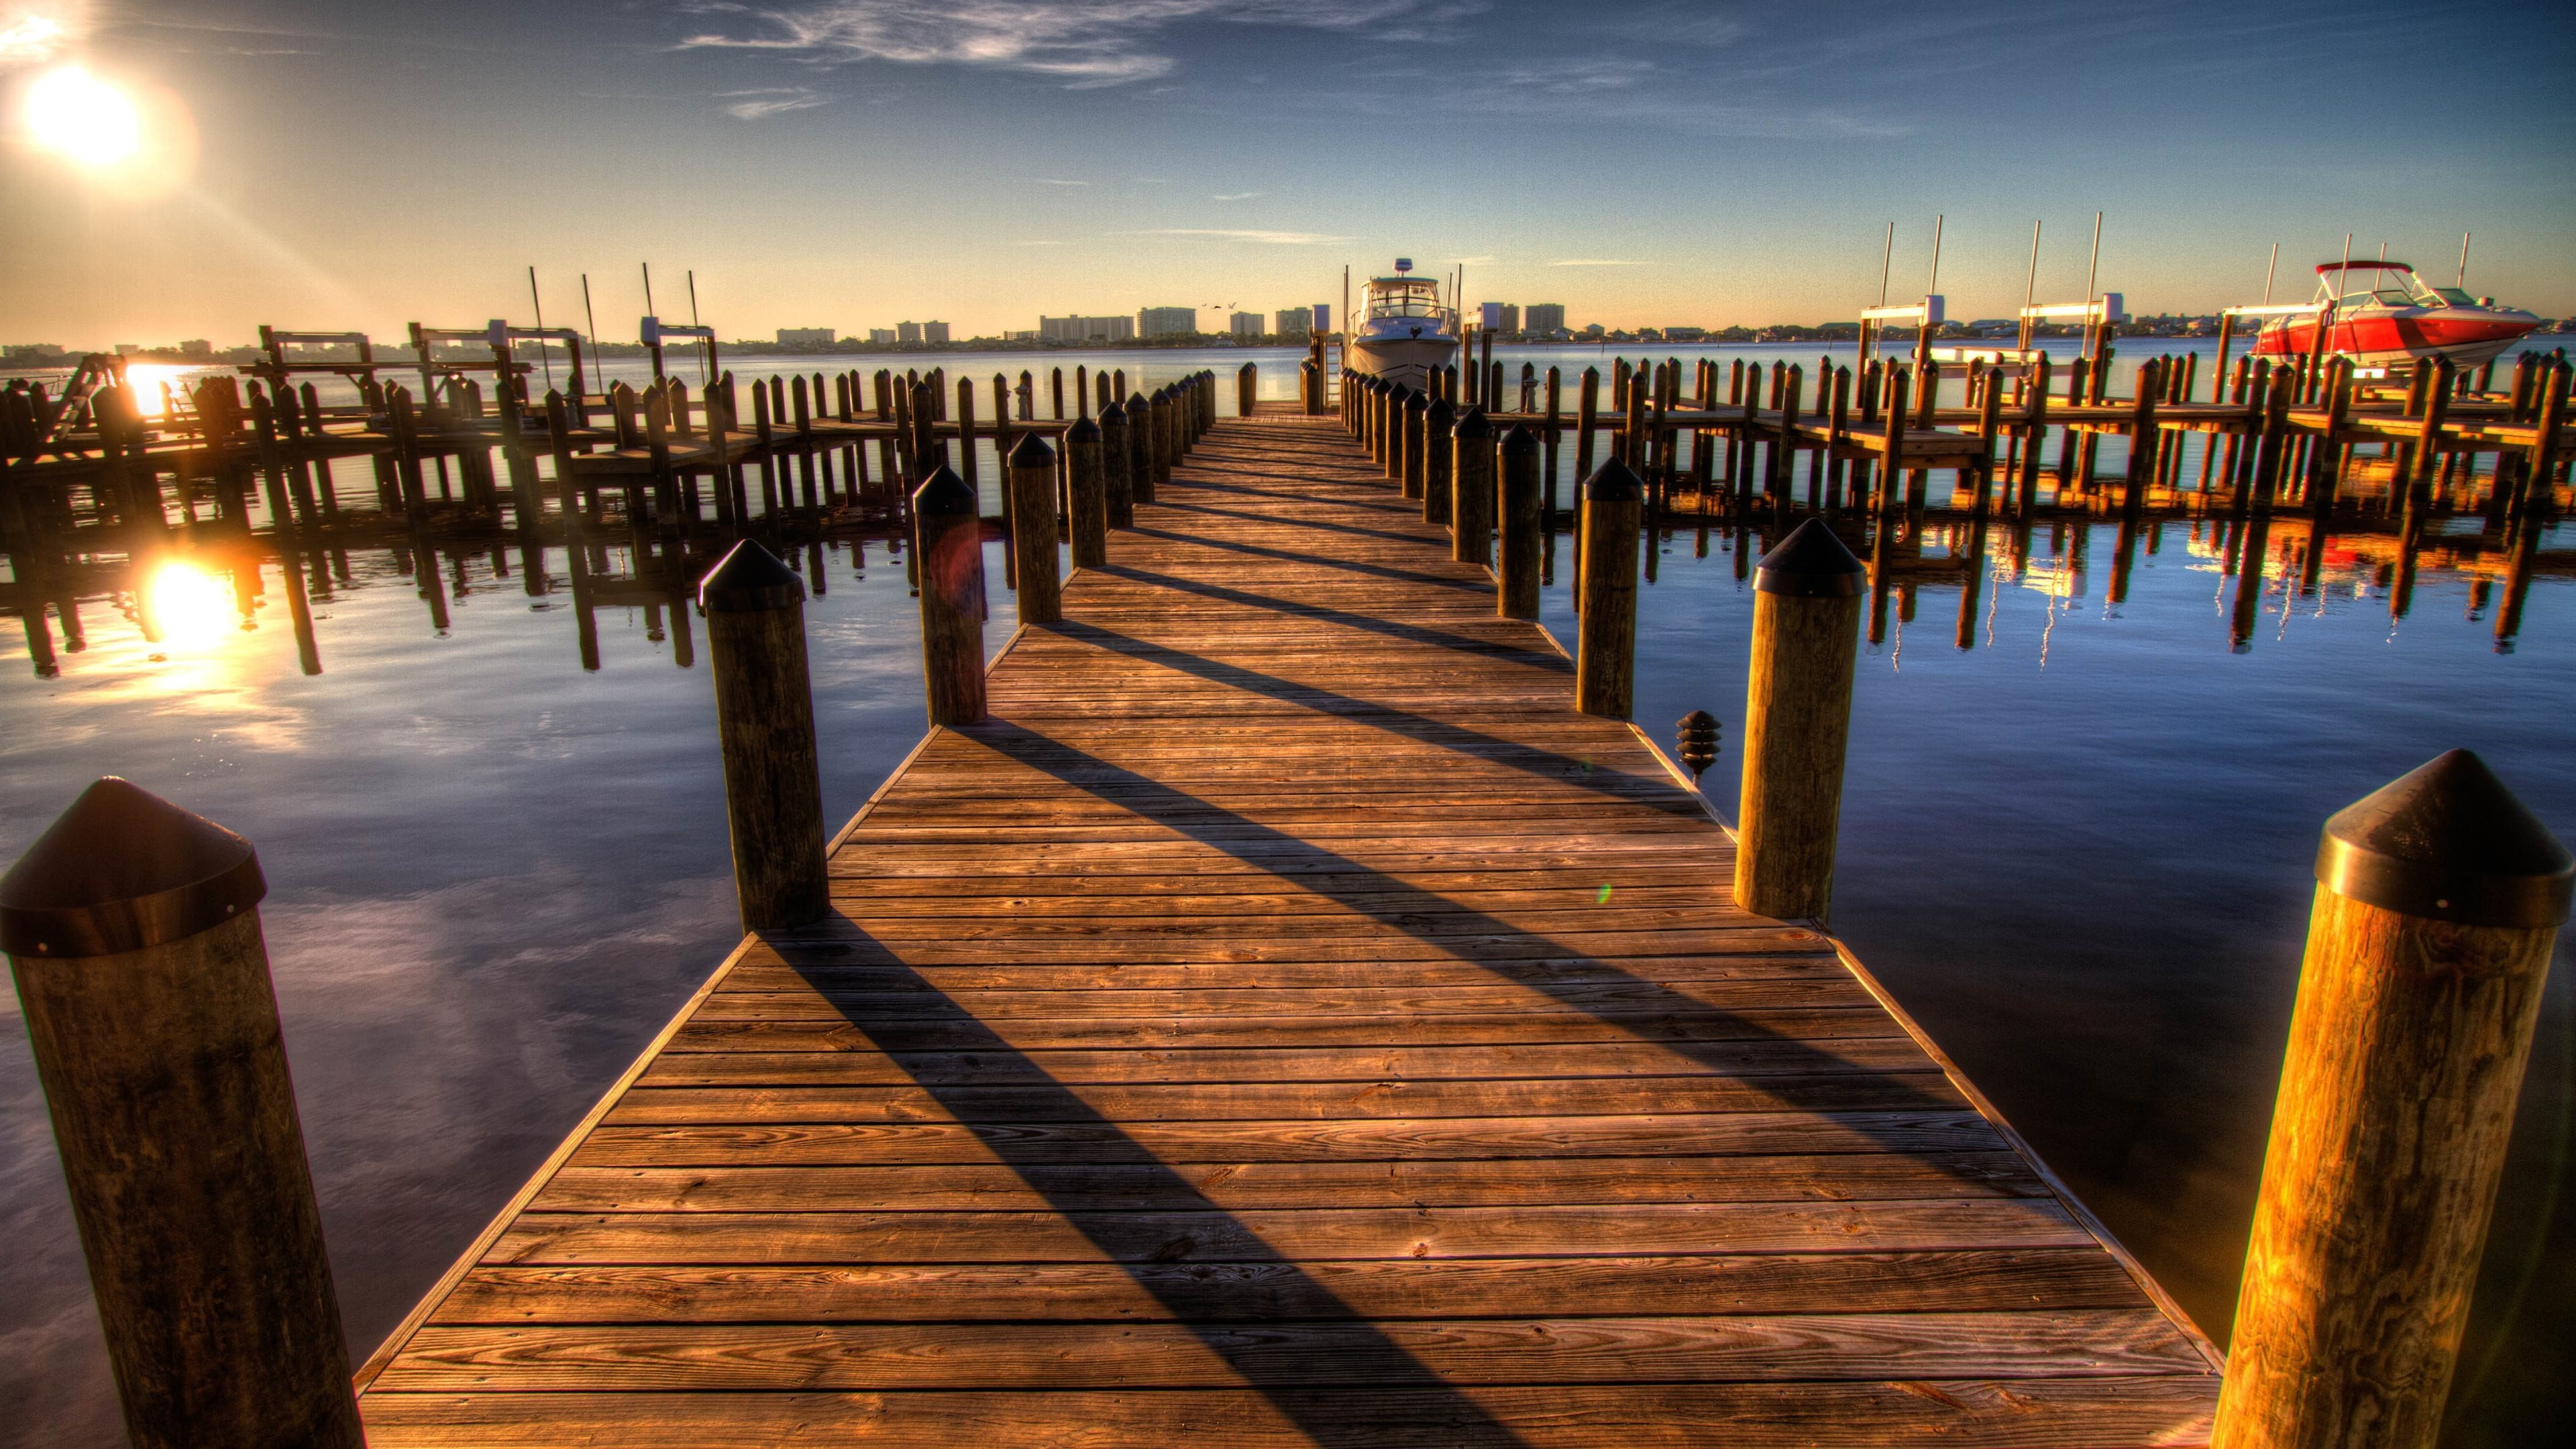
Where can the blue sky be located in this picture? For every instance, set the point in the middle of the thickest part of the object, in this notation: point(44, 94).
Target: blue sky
point(850, 163)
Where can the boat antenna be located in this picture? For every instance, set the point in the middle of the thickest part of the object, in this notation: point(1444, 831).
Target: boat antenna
point(591, 317)
point(2273, 266)
point(1886, 259)
point(540, 304)
point(1933, 283)
point(706, 358)
point(648, 287)
point(2463, 283)
point(2092, 274)
point(2030, 288)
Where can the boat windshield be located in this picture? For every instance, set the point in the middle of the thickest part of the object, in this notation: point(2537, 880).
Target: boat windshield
point(2391, 287)
point(1404, 297)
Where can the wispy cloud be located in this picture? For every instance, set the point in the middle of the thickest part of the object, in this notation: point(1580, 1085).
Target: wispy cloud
point(1465, 261)
point(1100, 43)
point(1234, 196)
point(1592, 262)
point(1037, 243)
point(752, 105)
point(1264, 238)
point(31, 34)
point(1059, 181)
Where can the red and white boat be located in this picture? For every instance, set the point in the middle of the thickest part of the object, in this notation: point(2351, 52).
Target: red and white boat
point(2380, 314)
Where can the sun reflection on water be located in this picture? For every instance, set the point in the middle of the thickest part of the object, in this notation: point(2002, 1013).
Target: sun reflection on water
point(186, 607)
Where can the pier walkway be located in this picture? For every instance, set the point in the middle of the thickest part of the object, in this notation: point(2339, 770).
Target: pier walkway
point(1287, 1021)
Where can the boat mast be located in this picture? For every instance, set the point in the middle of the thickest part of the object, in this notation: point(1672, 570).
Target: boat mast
point(2463, 282)
point(2092, 274)
point(2030, 288)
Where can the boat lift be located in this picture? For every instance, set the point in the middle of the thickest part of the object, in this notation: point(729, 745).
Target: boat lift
point(498, 335)
point(654, 329)
point(1926, 316)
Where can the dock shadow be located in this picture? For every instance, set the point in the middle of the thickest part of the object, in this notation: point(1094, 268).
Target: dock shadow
point(1216, 1308)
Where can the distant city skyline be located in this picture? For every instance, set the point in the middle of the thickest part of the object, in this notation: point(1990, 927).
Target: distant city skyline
point(851, 163)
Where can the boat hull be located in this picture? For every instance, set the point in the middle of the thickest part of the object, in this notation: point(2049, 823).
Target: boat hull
point(1406, 360)
point(2468, 336)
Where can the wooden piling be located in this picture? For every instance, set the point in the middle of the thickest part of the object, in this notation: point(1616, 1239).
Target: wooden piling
point(132, 930)
point(1140, 450)
point(948, 551)
point(1033, 530)
point(755, 610)
point(1439, 422)
point(1797, 718)
point(1246, 388)
point(1116, 457)
point(1605, 658)
point(1161, 414)
point(1471, 489)
point(1522, 509)
point(2438, 900)
point(1587, 417)
point(1087, 494)
point(1410, 426)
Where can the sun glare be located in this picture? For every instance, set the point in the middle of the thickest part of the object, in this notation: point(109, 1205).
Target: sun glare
point(78, 116)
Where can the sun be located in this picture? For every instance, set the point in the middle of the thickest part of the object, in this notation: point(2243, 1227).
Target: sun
point(84, 119)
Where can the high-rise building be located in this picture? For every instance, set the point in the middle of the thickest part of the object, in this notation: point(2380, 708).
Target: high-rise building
point(1545, 317)
point(882, 336)
point(1294, 321)
point(1086, 329)
point(1247, 324)
point(1167, 321)
point(1503, 317)
point(907, 332)
point(934, 331)
point(806, 336)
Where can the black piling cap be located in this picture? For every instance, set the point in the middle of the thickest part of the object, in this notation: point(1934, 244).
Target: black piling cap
point(944, 495)
point(1416, 400)
point(1033, 452)
point(2448, 842)
point(1114, 415)
point(122, 870)
point(1475, 425)
point(749, 579)
point(1440, 414)
point(1519, 442)
point(1697, 734)
point(1084, 430)
point(1612, 482)
point(1810, 564)
point(1135, 400)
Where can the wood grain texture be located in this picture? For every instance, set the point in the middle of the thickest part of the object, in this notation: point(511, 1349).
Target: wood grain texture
point(1284, 1018)
point(2406, 1055)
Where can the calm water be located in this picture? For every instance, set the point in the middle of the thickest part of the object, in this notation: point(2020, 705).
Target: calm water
point(2078, 849)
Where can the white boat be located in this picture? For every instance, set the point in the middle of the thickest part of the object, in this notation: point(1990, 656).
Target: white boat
point(1406, 335)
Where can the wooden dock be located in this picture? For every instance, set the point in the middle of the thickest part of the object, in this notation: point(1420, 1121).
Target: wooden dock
point(1287, 1021)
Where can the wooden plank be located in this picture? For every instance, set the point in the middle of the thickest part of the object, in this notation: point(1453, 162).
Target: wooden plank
point(1460, 1350)
point(2140, 1412)
point(1137, 1187)
point(2039, 1279)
